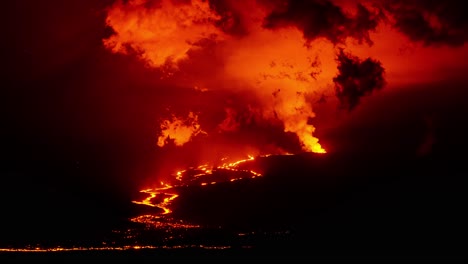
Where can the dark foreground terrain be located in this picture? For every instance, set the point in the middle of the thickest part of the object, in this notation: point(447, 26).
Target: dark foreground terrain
point(335, 206)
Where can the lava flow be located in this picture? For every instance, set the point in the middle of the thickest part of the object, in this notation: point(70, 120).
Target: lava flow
point(162, 197)
point(156, 192)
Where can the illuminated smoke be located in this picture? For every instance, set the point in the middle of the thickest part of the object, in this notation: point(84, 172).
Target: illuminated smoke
point(275, 57)
point(282, 73)
point(273, 67)
point(161, 32)
point(178, 130)
point(357, 78)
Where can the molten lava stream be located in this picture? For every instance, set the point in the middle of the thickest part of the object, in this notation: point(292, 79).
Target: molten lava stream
point(155, 193)
point(162, 197)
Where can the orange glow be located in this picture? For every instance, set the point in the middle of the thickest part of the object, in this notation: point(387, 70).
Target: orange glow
point(153, 193)
point(161, 33)
point(156, 221)
point(284, 74)
point(169, 191)
point(179, 130)
point(109, 248)
point(275, 66)
point(406, 62)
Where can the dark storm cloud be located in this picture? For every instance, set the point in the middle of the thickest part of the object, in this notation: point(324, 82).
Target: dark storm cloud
point(357, 78)
point(231, 19)
point(319, 18)
point(431, 22)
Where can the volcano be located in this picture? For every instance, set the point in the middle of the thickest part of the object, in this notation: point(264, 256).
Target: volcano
point(225, 129)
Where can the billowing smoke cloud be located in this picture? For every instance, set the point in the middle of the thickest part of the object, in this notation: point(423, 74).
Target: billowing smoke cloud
point(322, 18)
point(258, 67)
point(223, 47)
point(431, 22)
point(357, 78)
point(161, 32)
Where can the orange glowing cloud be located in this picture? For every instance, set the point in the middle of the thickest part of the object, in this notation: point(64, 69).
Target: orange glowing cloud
point(179, 130)
point(274, 66)
point(161, 32)
point(281, 55)
point(284, 74)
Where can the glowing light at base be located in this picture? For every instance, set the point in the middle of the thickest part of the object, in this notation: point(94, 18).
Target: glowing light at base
point(109, 248)
point(162, 197)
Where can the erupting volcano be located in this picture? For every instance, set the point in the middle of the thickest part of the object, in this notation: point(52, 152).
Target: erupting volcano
point(252, 74)
point(264, 79)
point(203, 175)
point(251, 126)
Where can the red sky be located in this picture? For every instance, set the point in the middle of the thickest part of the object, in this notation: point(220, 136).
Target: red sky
point(70, 87)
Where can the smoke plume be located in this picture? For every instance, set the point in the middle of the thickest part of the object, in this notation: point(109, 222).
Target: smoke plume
point(357, 78)
point(262, 65)
point(318, 18)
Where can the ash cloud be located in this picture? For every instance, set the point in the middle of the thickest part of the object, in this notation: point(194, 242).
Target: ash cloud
point(357, 78)
point(317, 18)
point(431, 22)
point(256, 48)
point(231, 21)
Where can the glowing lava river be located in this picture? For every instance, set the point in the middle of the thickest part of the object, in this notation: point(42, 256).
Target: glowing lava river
point(162, 198)
point(159, 224)
point(190, 177)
